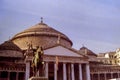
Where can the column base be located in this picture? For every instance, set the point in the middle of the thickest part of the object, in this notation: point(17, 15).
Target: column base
point(38, 78)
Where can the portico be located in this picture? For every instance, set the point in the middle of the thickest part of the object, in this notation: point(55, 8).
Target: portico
point(68, 68)
point(65, 65)
point(71, 65)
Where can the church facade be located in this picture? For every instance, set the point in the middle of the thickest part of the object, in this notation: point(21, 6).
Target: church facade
point(62, 62)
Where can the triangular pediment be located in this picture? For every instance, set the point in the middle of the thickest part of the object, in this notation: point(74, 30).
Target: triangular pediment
point(61, 51)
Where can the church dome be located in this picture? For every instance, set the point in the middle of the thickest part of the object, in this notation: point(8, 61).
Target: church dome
point(41, 35)
point(9, 49)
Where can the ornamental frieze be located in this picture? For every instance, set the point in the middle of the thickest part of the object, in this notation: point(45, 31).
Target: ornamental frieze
point(51, 58)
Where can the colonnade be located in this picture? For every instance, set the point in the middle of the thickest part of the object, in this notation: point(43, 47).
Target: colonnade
point(67, 72)
point(71, 71)
point(105, 75)
point(11, 75)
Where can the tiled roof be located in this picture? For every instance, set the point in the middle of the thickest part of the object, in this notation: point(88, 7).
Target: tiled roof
point(9, 45)
point(41, 29)
point(86, 51)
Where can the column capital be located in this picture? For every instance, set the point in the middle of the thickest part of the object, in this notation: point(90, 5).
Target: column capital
point(87, 64)
point(64, 62)
point(80, 64)
point(46, 61)
point(72, 63)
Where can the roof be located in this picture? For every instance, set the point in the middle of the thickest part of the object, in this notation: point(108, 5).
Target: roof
point(9, 45)
point(86, 51)
point(71, 49)
point(111, 53)
point(101, 55)
point(9, 49)
point(41, 29)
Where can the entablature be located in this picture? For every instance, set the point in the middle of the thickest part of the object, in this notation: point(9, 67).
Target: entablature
point(51, 58)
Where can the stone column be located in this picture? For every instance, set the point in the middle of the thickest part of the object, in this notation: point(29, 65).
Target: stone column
point(69, 71)
point(55, 71)
point(46, 70)
point(87, 72)
point(98, 76)
point(91, 76)
point(118, 74)
point(64, 72)
point(8, 76)
point(80, 71)
point(111, 75)
point(72, 71)
point(27, 73)
point(105, 76)
point(17, 75)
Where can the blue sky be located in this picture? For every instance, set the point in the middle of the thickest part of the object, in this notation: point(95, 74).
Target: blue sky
point(94, 23)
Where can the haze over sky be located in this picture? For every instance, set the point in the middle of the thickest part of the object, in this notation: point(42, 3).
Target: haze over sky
point(94, 23)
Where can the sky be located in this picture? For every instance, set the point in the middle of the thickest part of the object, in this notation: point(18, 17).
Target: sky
point(92, 23)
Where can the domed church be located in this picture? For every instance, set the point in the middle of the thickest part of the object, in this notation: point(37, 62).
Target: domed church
point(41, 34)
point(62, 62)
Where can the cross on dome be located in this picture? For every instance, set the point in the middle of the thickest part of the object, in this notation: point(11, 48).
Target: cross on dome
point(41, 19)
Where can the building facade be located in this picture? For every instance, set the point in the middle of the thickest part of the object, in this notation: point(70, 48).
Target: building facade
point(62, 62)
